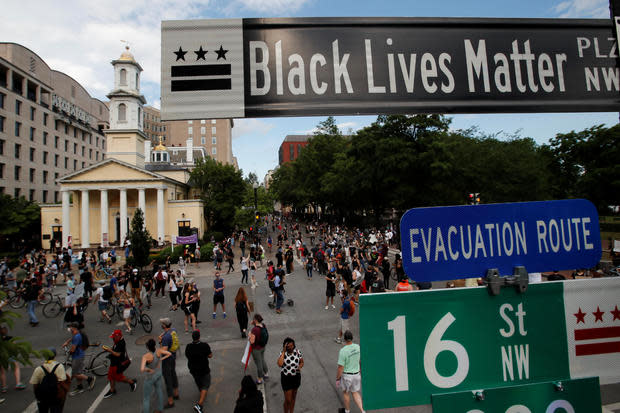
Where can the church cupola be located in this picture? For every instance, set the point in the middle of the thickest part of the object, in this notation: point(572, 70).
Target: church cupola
point(126, 102)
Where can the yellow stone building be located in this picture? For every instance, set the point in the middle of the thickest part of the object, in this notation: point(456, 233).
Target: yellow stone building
point(99, 201)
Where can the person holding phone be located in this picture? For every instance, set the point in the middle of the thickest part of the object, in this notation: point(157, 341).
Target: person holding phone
point(291, 362)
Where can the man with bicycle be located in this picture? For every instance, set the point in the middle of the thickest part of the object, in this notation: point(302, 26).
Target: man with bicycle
point(77, 360)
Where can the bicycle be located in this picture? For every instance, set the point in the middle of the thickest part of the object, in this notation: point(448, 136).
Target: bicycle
point(57, 305)
point(145, 320)
point(103, 273)
point(17, 299)
point(97, 363)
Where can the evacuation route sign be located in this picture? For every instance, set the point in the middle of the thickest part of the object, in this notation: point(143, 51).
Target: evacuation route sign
point(575, 396)
point(444, 243)
point(420, 343)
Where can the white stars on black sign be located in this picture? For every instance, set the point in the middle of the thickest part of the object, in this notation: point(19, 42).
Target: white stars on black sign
point(198, 76)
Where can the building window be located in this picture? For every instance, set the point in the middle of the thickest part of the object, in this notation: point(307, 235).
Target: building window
point(66, 129)
point(31, 195)
point(122, 112)
point(2, 118)
point(17, 171)
point(190, 130)
point(75, 148)
point(2, 97)
point(66, 162)
point(75, 164)
point(213, 151)
point(32, 134)
point(96, 141)
point(56, 139)
point(66, 145)
point(18, 149)
point(16, 192)
point(90, 154)
point(45, 173)
point(75, 132)
point(18, 127)
point(83, 165)
point(203, 121)
point(189, 122)
point(44, 196)
point(1, 171)
point(18, 107)
point(203, 130)
point(123, 77)
point(96, 156)
point(83, 151)
point(31, 154)
point(203, 140)
point(56, 195)
point(292, 152)
point(32, 113)
point(213, 121)
point(31, 175)
point(55, 176)
point(44, 157)
point(214, 140)
point(45, 138)
point(45, 116)
point(213, 130)
point(1, 146)
point(56, 160)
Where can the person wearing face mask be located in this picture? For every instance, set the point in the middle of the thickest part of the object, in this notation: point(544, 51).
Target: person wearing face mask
point(77, 360)
point(291, 362)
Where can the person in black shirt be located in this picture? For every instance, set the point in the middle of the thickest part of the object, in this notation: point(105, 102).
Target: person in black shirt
point(198, 354)
point(87, 278)
point(118, 364)
point(250, 398)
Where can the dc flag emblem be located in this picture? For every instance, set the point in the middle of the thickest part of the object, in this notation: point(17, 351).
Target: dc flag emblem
point(202, 63)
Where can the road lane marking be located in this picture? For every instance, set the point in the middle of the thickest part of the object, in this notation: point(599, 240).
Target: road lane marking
point(98, 400)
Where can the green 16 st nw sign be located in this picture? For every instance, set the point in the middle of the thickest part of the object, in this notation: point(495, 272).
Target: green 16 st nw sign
point(422, 343)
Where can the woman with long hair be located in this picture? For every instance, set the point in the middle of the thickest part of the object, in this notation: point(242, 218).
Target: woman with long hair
point(242, 306)
point(186, 304)
point(290, 362)
point(172, 290)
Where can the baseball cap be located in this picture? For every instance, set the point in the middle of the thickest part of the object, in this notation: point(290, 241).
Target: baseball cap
point(135, 270)
point(116, 333)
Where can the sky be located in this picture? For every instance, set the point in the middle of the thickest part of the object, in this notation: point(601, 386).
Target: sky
point(81, 38)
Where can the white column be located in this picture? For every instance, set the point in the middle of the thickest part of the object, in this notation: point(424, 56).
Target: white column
point(104, 217)
point(85, 227)
point(142, 202)
point(66, 218)
point(160, 213)
point(123, 211)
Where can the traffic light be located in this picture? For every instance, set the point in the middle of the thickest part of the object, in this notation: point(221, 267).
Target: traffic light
point(471, 199)
point(251, 229)
point(474, 198)
point(257, 216)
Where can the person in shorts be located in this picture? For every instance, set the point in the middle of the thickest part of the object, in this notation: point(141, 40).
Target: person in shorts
point(290, 362)
point(102, 303)
point(198, 354)
point(77, 360)
point(218, 294)
point(348, 378)
point(330, 291)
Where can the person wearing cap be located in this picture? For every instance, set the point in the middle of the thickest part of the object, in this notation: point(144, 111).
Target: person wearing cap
point(77, 360)
point(136, 284)
point(198, 354)
point(45, 403)
point(197, 256)
point(168, 366)
point(119, 360)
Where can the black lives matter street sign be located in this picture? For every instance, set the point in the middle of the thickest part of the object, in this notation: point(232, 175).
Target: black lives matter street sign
point(336, 66)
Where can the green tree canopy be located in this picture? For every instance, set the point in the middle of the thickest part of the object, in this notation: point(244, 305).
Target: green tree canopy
point(19, 220)
point(140, 239)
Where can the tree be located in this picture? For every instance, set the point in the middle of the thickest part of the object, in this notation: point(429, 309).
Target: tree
point(140, 239)
point(222, 190)
point(19, 217)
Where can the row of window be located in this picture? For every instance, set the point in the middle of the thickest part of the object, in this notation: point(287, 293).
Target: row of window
point(203, 130)
point(202, 122)
point(31, 176)
point(17, 152)
point(31, 194)
point(45, 153)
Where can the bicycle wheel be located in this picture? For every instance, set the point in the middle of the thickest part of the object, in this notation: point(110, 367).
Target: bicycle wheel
point(17, 301)
point(110, 309)
point(100, 364)
point(52, 309)
point(147, 323)
point(47, 297)
point(133, 321)
point(119, 311)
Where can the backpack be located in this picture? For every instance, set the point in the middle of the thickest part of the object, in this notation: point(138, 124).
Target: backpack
point(85, 341)
point(175, 341)
point(351, 308)
point(47, 390)
point(107, 292)
point(263, 338)
point(160, 276)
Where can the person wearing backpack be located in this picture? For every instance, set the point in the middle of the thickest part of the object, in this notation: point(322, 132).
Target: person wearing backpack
point(258, 338)
point(346, 311)
point(77, 360)
point(103, 295)
point(169, 341)
point(50, 383)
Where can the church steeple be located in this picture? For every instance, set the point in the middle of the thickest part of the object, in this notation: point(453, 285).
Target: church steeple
point(125, 137)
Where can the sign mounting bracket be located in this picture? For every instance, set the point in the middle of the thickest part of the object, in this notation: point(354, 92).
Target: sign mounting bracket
point(494, 282)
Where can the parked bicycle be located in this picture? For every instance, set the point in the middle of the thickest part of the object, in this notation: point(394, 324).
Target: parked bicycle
point(96, 363)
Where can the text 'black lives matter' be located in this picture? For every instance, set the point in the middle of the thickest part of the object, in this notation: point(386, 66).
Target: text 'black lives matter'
point(187, 78)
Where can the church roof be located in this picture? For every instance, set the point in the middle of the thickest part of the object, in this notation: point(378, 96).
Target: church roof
point(149, 175)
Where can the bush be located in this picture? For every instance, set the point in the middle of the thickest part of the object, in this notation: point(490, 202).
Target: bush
point(206, 251)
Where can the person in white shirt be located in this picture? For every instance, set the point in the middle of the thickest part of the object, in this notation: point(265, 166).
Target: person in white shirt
point(102, 303)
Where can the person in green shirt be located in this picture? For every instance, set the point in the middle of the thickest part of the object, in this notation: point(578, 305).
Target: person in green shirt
point(348, 378)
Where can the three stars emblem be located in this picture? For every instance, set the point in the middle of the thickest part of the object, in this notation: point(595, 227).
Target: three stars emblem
point(201, 53)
